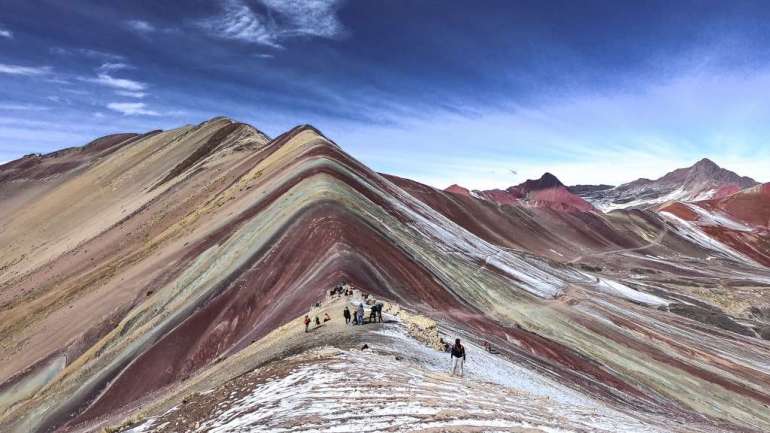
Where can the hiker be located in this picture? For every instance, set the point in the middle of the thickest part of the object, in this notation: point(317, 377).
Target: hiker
point(317, 321)
point(326, 317)
point(346, 314)
point(373, 314)
point(379, 311)
point(458, 357)
point(307, 322)
point(360, 313)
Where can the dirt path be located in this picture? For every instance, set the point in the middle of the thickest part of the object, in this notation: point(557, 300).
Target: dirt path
point(658, 239)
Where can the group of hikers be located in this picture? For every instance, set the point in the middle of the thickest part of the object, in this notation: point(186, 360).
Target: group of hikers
point(357, 317)
point(343, 289)
point(317, 321)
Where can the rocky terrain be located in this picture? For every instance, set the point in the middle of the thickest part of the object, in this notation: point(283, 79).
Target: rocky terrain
point(702, 181)
point(158, 282)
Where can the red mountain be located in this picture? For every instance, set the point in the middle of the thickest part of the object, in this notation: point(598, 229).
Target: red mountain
point(740, 221)
point(547, 191)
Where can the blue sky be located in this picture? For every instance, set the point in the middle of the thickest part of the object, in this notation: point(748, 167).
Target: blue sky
point(485, 94)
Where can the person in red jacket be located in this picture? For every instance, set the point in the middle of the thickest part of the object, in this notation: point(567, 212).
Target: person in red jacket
point(307, 322)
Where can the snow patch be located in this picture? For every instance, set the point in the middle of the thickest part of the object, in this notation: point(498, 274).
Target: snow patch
point(693, 233)
point(715, 218)
point(617, 289)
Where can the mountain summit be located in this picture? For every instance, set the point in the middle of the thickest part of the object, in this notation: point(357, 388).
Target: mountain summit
point(546, 181)
point(701, 181)
point(547, 191)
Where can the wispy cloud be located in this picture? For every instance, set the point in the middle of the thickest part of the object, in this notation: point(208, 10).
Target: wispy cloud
point(132, 108)
point(110, 66)
point(140, 26)
point(23, 107)
point(117, 83)
point(60, 100)
point(613, 137)
point(5, 33)
point(131, 94)
point(122, 86)
point(87, 52)
point(308, 17)
point(282, 20)
point(76, 91)
point(24, 70)
point(239, 22)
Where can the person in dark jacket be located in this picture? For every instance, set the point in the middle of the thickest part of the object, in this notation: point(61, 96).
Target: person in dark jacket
point(346, 314)
point(458, 358)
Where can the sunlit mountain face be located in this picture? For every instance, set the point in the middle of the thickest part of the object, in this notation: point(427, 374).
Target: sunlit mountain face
point(233, 216)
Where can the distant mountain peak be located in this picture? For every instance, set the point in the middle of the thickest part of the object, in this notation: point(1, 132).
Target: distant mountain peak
point(457, 189)
point(706, 163)
point(706, 167)
point(547, 191)
point(550, 180)
point(708, 172)
point(700, 181)
point(546, 181)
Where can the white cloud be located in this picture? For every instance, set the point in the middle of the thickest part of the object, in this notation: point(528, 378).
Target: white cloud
point(24, 70)
point(140, 26)
point(132, 108)
point(87, 52)
point(76, 91)
point(283, 20)
point(110, 66)
point(123, 86)
point(131, 94)
point(612, 137)
point(117, 83)
point(239, 22)
point(5, 33)
point(23, 107)
point(308, 17)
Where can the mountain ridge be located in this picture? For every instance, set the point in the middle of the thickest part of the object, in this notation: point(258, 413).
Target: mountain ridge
point(546, 191)
point(700, 181)
point(116, 296)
